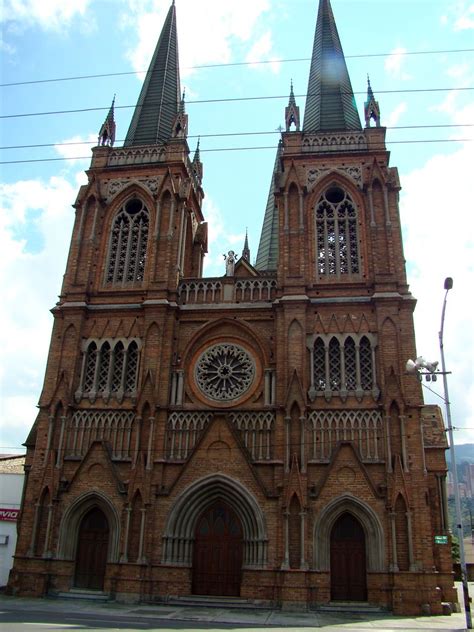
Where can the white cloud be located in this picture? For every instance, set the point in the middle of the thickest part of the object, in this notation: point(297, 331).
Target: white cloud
point(465, 19)
point(35, 226)
point(49, 14)
point(394, 116)
point(76, 149)
point(261, 51)
point(230, 23)
point(394, 64)
point(439, 242)
point(459, 14)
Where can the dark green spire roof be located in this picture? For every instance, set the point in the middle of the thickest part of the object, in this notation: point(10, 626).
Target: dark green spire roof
point(330, 104)
point(160, 96)
point(267, 255)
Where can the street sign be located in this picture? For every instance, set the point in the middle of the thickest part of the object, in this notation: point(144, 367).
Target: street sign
point(441, 539)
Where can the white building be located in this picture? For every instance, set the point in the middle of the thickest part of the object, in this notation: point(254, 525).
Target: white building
point(11, 487)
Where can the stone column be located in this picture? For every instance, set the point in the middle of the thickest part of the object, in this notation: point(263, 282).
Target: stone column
point(394, 565)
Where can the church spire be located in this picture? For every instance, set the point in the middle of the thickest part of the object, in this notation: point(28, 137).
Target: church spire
point(159, 101)
point(267, 255)
point(330, 104)
point(246, 250)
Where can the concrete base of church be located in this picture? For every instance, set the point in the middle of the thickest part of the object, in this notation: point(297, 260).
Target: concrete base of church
point(403, 593)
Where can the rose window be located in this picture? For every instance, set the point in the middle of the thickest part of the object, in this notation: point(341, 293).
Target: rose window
point(224, 372)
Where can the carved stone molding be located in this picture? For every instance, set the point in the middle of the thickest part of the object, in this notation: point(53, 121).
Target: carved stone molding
point(112, 187)
point(354, 172)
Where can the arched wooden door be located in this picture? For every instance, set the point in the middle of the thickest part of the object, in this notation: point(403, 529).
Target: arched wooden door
point(218, 546)
point(348, 565)
point(92, 547)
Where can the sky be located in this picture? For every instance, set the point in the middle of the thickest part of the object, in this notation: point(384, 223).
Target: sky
point(63, 62)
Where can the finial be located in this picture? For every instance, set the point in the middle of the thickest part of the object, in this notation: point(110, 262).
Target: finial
point(107, 131)
point(371, 107)
point(197, 152)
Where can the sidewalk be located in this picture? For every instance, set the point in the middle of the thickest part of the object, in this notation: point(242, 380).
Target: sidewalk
point(248, 618)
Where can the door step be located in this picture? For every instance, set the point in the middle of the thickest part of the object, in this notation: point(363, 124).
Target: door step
point(351, 607)
point(211, 601)
point(79, 593)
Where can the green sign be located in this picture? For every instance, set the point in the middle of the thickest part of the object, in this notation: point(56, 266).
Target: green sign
point(441, 539)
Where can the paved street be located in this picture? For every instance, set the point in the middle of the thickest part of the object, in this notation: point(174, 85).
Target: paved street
point(19, 614)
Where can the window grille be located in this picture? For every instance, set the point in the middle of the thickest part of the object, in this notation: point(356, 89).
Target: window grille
point(343, 365)
point(109, 369)
point(128, 243)
point(366, 369)
point(89, 372)
point(336, 234)
point(132, 367)
point(350, 370)
point(319, 365)
point(104, 364)
point(119, 359)
point(334, 365)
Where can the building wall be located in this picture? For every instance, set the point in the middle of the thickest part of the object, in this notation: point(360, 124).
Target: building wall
point(11, 488)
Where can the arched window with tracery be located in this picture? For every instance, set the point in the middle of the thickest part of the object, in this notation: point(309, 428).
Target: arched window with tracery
point(336, 234)
point(110, 369)
point(343, 364)
point(128, 244)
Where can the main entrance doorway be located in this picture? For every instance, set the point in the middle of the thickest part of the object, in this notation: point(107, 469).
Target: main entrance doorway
point(92, 546)
point(348, 565)
point(218, 546)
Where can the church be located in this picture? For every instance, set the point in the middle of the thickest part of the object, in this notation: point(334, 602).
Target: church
point(252, 436)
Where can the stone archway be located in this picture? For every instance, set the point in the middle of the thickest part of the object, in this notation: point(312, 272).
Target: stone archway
point(72, 520)
point(178, 539)
point(369, 522)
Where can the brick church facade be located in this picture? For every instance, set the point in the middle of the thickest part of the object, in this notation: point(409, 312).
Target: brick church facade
point(253, 435)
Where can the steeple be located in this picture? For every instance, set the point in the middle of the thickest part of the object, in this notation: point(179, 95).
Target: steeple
point(107, 131)
point(267, 255)
point(371, 107)
point(246, 250)
point(159, 101)
point(292, 112)
point(330, 104)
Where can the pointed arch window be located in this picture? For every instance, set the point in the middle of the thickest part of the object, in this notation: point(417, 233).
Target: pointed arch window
point(109, 369)
point(342, 364)
point(337, 242)
point(128, 244)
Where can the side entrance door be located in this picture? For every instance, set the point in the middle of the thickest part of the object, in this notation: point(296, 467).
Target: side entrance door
point(218, 547)
point(348, 565)
point(92, 546)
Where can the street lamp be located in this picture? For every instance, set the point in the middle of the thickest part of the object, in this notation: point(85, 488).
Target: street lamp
point(421, 368)
point(448, 284)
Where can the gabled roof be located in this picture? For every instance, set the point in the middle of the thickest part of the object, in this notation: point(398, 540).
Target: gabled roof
point(330, 104)
point(160, 96)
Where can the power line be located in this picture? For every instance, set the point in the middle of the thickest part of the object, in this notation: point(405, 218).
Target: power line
point(230, 64)
point(223, 134)
point(226, 100)
point(272, 147)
